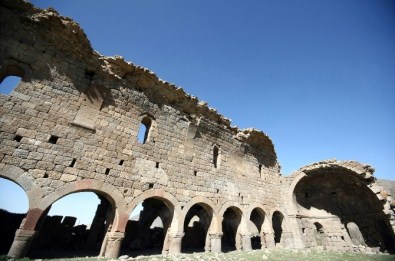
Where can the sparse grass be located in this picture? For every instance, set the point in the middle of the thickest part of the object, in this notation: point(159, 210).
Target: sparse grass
point(275, 254)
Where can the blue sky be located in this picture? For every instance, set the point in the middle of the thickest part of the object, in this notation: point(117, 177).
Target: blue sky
point(317, 76)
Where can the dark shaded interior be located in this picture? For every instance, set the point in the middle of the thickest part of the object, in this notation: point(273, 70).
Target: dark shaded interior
point(343, 194)
point(230, 224)
point(257, 217)
point(60, 237)
point(277, 221)
point(144, 237)
point(196, 225)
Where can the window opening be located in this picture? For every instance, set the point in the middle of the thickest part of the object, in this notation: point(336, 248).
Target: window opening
point(142, 136)
point(157, 165)
point(195, 172)
point(9, 83)
point(53, 139)
point(121, 162)
point(215, 156)
point(150, 185)
point(73, 163)
point(107, 171)
point(18, 138)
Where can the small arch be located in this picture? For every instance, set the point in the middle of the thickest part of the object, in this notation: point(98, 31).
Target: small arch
point(277, 223)
point(256, 223)
point(231, 239)
point(147, 231)
point(319, 234)
point(10, 77)
point(216, 156)
point(144, 129)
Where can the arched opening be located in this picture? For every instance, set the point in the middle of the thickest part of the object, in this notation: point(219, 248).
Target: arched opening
point(277, 222)
point(345, 206)
point(230, 225)
point(216, 156)
point(73, 226)
point(319, 234)
point(257, 217)
point(14, 205)
point(10, 77)
point(196, 226)
point(147, 228)
point(144, 130)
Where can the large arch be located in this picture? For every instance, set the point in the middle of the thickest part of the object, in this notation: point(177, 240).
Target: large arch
point(341, 197)
point(234, 228)
point(258, 225)
point(199, 226)
point(158, 206)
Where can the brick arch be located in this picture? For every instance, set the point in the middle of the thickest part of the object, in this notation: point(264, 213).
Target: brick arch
point(243, 229)
point(25, 181)
point(207, 205)
point(285, 224)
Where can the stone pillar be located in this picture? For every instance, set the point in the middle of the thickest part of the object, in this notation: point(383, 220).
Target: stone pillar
point(263, 241)
point(246, 242)
point(112, 245)
point(269, 238)
point(175, 243)
point(22, 242)
point(216, 242)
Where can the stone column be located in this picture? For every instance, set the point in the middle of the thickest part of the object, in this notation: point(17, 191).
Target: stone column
point(269, 238)
point(246, 242)
point(22, 242)
point(175, 243)
point(112, 245)
point(263, 241)
point(216, 242)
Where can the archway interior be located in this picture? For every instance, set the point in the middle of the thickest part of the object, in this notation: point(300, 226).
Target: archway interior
point(257, 217)
point(277, 221)
point(62, 236)
point(230, 224)
point(319, 234)
point(196, 225)
point(13, 207)
point(146, 232)
point(338, 197)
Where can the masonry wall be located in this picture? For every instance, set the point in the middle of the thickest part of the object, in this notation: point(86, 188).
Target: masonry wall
point(72, 125)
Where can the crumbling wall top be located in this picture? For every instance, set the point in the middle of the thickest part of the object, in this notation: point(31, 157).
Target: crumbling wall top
point(51, 32)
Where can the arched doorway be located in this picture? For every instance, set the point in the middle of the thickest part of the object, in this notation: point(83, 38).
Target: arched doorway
point(196, 226)
point(231, 239)
point(73, 226)
point(277, 222)
point(257, 218)
point(13, 207)
point(345, 206)
point(147, 228)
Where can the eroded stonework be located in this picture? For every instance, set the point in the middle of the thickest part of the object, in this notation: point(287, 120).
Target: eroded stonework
point(72, 125)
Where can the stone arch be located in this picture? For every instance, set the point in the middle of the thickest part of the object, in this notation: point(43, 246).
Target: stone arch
point(157, 203)
point(205, 228)
point(258, 219)
point(12, 67)
point(350, 196)
point(108, 191)
point(168, 199)
point(234, 227)
point(25, 181)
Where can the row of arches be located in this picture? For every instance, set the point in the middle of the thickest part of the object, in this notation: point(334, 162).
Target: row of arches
point(161, 225)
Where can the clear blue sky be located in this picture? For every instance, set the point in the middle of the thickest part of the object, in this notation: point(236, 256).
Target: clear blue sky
point(317, 76)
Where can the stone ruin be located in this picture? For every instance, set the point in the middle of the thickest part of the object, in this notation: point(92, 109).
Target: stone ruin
point(72, 125)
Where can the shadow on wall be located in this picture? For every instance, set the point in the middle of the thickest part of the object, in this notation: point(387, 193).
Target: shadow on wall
point(341, 193)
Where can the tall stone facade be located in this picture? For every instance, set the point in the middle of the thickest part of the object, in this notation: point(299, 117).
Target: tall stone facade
point(72, 125)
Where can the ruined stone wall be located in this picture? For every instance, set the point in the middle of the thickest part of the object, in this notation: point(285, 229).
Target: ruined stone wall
point(72, 125)
point(94, 105)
